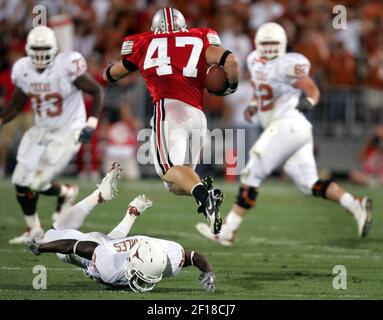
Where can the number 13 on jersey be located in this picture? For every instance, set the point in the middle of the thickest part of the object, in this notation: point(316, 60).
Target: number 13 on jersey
point(162, 62)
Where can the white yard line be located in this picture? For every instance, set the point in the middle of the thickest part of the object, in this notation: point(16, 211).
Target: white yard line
point(9, 268)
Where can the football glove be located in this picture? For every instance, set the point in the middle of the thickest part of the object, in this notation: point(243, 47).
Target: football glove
point(86, 134)
point(206, 280)
point(231, 88)
point(250, 111)
point(305, 103)
point(88, 130)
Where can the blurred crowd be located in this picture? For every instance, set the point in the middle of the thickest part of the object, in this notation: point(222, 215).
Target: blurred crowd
point(347, 64)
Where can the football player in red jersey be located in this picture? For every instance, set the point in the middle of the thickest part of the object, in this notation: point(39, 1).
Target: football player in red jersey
point(173, 61)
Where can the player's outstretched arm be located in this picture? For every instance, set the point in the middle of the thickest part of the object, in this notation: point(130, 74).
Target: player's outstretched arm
point(84, 249)
point(207, 277)
point(17, 103)
point(226, 59)
point(117, 71)
point(87, 84)
point(310, 93)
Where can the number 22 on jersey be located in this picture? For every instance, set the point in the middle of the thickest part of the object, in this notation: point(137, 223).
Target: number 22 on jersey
point(162, 62)
point(264, 95)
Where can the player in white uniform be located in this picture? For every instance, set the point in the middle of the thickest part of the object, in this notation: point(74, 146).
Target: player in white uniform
point(135, 262)
point(282, 91)
point(54, 82)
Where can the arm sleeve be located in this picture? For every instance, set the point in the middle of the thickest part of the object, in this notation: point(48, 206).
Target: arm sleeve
point(129, 51)
point(296, 66)
point(211, 38)
point(75, 65)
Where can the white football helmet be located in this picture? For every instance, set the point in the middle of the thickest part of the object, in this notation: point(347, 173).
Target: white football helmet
point(168, 19)
point(271, 40)
point(145, 265)
point(41, 46)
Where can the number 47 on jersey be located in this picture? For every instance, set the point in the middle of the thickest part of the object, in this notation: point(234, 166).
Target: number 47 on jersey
point(162, 62)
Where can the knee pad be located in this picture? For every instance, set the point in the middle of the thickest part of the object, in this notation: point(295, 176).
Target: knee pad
point(320, 187)
point(246, 196)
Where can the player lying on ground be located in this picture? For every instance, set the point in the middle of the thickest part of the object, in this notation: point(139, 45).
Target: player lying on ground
point(55, 82)
point(282, 91)
point(135, 262)
point(173, 61)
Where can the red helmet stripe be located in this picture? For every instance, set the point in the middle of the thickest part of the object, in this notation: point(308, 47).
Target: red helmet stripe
point(172, 19)
point(169, 19)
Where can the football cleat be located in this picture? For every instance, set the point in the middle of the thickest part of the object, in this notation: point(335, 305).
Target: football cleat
point(31, 233)
point(34, 247)
point(211, 210)
point(225, 237)
point(362, 213)
point(65, 202)
point(108, 186)
point(208, 182)
point(139, 205)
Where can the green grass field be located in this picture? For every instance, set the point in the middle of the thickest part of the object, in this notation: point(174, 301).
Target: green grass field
point(286, 249)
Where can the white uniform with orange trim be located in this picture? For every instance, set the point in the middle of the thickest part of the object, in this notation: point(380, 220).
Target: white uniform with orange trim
point(59, 111)
point(109, 258)
point(287, 138)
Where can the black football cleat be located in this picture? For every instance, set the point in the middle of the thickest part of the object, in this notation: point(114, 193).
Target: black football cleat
point(208, 182)
point(211, 210)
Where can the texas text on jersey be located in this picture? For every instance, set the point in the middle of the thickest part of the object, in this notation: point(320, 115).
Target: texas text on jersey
point(172, 63)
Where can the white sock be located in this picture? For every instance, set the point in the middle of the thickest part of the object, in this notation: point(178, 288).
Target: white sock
point(33, 221)
point(347, 201)
point(233, 220)
point(74, 217)
point(123, 228)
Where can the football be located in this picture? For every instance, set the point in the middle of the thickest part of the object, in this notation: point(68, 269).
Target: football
point(216, 80)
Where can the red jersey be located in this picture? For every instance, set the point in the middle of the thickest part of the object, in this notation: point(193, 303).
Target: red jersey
point(8, 87)
point(173, 64)
point(373, 162)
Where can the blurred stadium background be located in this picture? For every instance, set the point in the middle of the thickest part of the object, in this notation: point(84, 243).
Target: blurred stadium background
point(347, 65)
